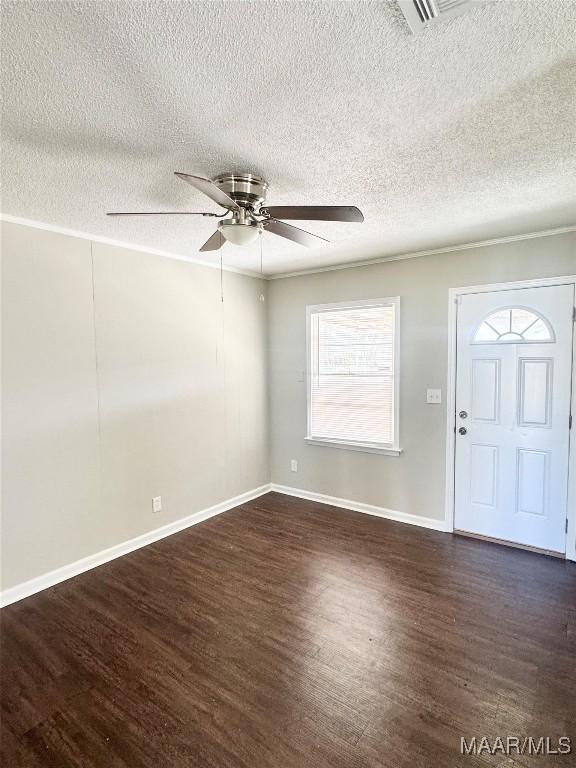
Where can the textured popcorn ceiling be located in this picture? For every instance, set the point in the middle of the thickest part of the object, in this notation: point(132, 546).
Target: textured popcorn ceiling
point(464, 132)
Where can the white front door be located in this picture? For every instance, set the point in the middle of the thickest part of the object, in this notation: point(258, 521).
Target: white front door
point(513, 382)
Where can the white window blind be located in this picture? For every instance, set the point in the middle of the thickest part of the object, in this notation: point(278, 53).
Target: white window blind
point(352, 386)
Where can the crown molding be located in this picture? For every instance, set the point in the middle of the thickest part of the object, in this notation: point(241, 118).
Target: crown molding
point(431, 252)
point(281, 275)
point(122, 244)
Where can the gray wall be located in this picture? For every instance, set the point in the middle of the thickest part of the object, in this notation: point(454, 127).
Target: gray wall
point(413, 482)
point(124, 377)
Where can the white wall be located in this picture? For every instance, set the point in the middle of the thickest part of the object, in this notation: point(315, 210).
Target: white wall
point(412, 483)
point(124, 377)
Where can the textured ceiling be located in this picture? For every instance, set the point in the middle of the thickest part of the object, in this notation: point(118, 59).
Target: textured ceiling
point(464, 132)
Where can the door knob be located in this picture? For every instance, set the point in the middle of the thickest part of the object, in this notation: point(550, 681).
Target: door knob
point(463, 430)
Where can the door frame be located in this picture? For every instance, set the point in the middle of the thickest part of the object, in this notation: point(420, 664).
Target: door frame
point(453, 299)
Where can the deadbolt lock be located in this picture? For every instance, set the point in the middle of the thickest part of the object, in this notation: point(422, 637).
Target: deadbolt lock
point(463, 414)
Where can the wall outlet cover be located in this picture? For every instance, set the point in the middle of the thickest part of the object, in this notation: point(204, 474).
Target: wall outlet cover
point(157, 504)
point(294, 465)
point(434, 396)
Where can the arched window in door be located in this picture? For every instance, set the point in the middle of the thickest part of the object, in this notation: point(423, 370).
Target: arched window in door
point(514, 325)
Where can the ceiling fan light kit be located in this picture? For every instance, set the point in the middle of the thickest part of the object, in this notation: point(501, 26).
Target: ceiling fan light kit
point(240, 232)
point(242, 195)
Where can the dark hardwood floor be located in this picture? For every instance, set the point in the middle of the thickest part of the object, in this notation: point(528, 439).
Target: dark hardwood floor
point(289, 634)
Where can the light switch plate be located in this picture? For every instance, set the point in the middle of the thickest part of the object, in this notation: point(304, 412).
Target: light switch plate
point(434, 396)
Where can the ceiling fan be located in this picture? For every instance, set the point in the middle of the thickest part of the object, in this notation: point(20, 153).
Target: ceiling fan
point(245, 218)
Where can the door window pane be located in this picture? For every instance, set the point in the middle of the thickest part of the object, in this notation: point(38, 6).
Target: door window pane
point(514, 325)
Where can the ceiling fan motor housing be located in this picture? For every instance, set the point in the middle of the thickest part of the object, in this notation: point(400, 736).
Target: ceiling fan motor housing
point(249, 192)
point(246, 189)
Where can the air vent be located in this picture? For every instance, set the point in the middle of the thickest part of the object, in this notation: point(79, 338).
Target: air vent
point(421, 13)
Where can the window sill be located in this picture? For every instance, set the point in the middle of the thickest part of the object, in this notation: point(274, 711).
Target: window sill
point(364, 447)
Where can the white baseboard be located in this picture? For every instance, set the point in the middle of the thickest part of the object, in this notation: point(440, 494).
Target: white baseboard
point(367, 509)
point(20, 591)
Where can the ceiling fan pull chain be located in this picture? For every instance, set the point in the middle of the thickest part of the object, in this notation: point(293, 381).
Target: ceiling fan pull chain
point(261, 257)
point(221, 270)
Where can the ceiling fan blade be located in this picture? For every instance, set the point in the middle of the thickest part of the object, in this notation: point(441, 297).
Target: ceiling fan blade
point(315, 212)
point(161, 213)
point(210, 189)
point(293, 233)
point(214, 242)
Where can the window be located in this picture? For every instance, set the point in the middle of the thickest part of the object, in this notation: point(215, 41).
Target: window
point(353, 375)
point(514, 325)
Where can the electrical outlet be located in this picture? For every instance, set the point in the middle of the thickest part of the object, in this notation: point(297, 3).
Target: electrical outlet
point(294, 465)
point(434, 396)
point(157, 504)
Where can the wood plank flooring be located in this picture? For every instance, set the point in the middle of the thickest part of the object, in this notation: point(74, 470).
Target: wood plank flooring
point(290, 634)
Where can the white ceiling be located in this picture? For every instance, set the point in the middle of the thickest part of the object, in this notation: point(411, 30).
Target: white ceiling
point(464, 132)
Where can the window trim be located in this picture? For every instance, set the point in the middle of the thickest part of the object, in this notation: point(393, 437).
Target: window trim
point(389, 449)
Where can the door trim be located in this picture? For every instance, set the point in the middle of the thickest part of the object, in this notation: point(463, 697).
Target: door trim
point(453, 296)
